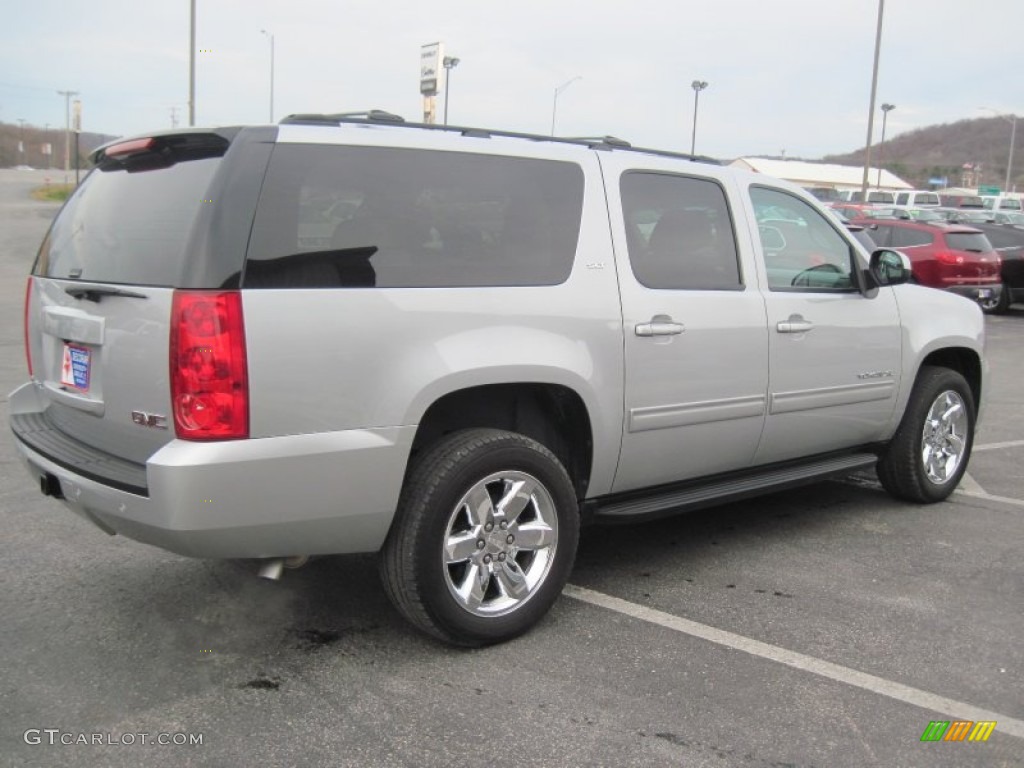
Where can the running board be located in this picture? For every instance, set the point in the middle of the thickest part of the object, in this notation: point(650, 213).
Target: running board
point(692, 496)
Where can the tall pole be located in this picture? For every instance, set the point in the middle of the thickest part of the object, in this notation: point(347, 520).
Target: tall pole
point(449, 63)
point(886, 108)
point(192, 66)
point(871, 108)
point(1012, 120)
point(698, 86)
point(1009, 160)
point(67, 130)
point(268, 34)
point(554, 102)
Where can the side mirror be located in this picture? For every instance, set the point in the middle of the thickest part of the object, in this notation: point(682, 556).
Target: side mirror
point(888, 267)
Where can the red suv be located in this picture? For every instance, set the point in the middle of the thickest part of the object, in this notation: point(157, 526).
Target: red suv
point(953, 257)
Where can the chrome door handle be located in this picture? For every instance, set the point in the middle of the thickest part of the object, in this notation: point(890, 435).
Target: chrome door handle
point(659, 326)
point(795, 324)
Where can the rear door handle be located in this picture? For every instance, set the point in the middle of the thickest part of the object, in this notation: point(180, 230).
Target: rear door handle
point(795, 324)
point(660, 325)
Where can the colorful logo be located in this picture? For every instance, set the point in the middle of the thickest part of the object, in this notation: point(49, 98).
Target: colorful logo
point(958, 730)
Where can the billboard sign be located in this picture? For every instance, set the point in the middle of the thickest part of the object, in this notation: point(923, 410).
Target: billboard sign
point(430, 67)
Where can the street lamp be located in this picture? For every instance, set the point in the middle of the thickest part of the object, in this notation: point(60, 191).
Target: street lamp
point(698, 86)
point(886, 109)
point(871, 107)
point(449, 63)
point(67, 130)
point(268, 34)
point(1012, 120)
point(554, 103)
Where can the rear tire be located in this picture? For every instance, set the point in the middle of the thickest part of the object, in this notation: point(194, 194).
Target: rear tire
point(484, 537)
point(928, 454)
point(1003, 305)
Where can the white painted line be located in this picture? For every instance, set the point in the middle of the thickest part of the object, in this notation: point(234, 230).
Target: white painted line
point(989, 497)
point(998, 446)
point(970, 486)
point(915, 696)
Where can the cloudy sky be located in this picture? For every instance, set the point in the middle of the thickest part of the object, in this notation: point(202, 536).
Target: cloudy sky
point(791, 75)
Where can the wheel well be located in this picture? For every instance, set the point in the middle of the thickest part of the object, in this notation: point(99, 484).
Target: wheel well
point(963, 361)
point(551, 414)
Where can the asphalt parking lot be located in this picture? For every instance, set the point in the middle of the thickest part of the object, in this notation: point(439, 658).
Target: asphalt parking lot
point(827, 626)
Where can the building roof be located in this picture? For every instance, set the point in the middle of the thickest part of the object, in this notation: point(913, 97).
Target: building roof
point(821, 174)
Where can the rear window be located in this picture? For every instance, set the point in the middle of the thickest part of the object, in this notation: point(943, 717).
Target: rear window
point(350, 217)
point(926, 199)
point(968, 241)
point(128, 224)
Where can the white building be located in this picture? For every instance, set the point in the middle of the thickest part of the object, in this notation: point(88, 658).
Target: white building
point(838, 177)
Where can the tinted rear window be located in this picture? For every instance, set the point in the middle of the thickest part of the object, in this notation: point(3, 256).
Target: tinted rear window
point(128, 227)
point(967, 241)
point(333, 217)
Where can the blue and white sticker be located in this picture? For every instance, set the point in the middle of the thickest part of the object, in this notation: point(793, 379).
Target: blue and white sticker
point(74, 371)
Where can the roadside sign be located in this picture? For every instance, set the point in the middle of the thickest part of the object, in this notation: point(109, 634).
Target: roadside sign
point(989, 190)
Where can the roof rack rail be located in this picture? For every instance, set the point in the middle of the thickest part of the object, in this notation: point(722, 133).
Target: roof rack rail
point(611, 141)
point(382, 116)
point(372, 115)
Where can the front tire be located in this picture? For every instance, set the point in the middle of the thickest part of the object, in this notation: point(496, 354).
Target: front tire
point(929, 453)
point(484, 537)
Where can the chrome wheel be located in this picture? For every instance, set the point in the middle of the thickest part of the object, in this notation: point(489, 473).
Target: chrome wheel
point(499, 543)
point(944, 437)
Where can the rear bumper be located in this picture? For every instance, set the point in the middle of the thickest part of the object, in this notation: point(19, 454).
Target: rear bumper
point(323, 493)
point(984, 292)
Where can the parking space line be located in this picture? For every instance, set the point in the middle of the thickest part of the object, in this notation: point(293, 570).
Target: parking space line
point(997, 446)
point(988, 496)
point(905, 693)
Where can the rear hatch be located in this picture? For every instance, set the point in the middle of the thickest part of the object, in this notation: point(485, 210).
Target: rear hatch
point(975, 257)
point(157, 214)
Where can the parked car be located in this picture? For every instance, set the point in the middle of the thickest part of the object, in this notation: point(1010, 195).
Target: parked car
point(961, 201)
point(453, 346)
point(970, 216)
point(876, 196)
point(1009, 218)
point(1003, 203)
point(917, 198)
point(856, 210)
point(1008, 241)
point(952, 257)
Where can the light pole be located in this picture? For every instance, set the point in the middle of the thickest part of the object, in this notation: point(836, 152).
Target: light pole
point(886, 109)
point(21, 141)
point(1012, 120)
point(192, 64)
point(268, 34)
point(554, 102)
point(871, 107)
point(67, 130)
point(698, 86)
point(449, 62)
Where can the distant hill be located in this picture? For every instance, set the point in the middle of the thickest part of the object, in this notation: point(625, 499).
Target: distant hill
point(33, 138)
point(942, 151)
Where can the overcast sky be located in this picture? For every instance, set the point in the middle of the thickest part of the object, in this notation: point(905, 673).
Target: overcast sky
point(791, 75)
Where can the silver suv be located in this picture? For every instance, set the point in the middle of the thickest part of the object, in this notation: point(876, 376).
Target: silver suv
point(452, 346)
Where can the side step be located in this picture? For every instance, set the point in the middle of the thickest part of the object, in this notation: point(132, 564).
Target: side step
point(693, 496)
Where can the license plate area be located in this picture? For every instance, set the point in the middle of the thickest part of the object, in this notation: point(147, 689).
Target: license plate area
point(76, 367)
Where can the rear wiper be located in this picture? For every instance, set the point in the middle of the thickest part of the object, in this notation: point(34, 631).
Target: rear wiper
point(95, 294)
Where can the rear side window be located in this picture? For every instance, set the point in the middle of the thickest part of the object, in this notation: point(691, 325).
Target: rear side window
point(908, 237)
point(348, 217)
point(679, 232)
point(926, 199)
point(128, 226)
point(968, 241)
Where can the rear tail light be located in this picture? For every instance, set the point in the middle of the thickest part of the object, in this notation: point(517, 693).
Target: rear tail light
point(946, 257)
point(209, 376)
point(28, 349)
